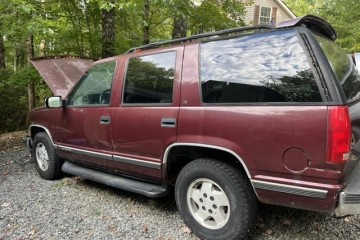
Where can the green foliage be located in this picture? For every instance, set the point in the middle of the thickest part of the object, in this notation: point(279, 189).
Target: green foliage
point(344, 15)
point(73, 27)
point(14, 100)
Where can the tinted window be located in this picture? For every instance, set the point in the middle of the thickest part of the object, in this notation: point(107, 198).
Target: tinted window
point(343, 67)
point(149, 79)
point(94, 87)
point(267, 67)
point(357, 60)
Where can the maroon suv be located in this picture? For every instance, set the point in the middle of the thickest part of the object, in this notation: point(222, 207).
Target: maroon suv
point(228, 118)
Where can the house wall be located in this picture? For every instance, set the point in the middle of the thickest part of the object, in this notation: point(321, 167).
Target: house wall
point(281, 15)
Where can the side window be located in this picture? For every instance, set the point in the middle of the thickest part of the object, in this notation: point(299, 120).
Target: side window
point(149, 79)
point(264, 67)
point(342, 65)
point(95, 86)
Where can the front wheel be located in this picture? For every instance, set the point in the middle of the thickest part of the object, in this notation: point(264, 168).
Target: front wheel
point(48, 164)
point(215, 200)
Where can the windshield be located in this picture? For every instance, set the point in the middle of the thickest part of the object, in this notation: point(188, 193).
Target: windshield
point(343, 67)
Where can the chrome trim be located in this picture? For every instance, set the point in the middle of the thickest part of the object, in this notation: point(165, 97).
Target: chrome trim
point(206, 146)
point(168, 122)
point(137, 162)
point(45, 129)
point(111, 157)
point(285, 188)
point(84, 152)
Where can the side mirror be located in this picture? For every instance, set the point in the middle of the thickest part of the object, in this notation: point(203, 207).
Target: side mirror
point(54, 102)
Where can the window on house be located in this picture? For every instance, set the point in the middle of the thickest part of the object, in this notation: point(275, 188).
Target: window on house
point(265, 15)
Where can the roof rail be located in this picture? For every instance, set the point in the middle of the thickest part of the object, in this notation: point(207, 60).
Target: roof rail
point(202, 35)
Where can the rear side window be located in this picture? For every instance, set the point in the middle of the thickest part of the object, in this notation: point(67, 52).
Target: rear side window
point(343, 67)
point(266, 67)
point(149, 79)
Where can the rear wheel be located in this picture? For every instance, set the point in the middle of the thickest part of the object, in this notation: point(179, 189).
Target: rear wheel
point(48, 164)
point(215, 200)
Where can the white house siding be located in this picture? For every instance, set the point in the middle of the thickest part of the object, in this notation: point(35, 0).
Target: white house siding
point(281, 15)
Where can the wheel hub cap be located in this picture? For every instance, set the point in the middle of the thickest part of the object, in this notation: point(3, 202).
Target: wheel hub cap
point(208, 203)
point(42, 157)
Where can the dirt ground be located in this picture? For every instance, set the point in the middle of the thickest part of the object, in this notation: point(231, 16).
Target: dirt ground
point(12, 141)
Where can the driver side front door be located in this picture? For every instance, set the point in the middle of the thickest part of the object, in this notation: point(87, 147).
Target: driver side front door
point(83, 127)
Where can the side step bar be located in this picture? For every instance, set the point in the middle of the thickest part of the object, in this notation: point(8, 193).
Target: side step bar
point(132, 185)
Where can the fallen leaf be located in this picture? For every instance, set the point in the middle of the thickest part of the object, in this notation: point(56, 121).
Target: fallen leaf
point(146, 228)
point(187, 230)
point(76, 179)
point(286, 222)
point(113, 228)
point(32, 232)
point(269, 231)
point(5, 204)
point(262, 226)
point(5, 173)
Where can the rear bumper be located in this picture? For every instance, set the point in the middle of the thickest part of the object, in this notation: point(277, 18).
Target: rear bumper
point(349, 198)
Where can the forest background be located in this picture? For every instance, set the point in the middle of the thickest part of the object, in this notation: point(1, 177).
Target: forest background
point(101, 28)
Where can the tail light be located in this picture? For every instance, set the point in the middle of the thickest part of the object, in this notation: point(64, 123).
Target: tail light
point(339, 135)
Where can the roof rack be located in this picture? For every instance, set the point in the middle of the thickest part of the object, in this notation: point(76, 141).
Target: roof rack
point(202, 35)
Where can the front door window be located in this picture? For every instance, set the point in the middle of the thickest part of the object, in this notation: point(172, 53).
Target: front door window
point(95, 87)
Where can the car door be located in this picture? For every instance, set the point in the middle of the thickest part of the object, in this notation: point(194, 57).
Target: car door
point(146, 121)
point(83, 127)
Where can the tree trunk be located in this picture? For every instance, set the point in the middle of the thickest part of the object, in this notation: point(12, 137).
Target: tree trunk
point(31, 85)
point(31, 48)
point(108, 33)
point(146, 29)
point(31, 94)
point(179, 27)
point(2, 53)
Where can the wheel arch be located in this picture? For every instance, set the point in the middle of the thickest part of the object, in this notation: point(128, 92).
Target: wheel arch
point(35, 129)
point(177, 155)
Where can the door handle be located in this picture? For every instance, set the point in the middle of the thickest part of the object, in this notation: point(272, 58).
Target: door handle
point(104, 120)
point(168, 122)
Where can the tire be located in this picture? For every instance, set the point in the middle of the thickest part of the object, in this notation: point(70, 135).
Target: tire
point(215, 200)
point(48, 164)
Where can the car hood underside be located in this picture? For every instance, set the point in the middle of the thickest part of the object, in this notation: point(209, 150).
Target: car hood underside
point(61, 74)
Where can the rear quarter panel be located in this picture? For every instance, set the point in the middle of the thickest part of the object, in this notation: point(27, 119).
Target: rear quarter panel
point(260, 135)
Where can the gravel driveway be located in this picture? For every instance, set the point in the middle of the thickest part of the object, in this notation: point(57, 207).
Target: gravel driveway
point(72, 208)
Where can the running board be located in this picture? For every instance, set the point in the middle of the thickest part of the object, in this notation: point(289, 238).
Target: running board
point(136, 186)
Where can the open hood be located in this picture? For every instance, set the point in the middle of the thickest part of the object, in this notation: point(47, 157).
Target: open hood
point(61, 74)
